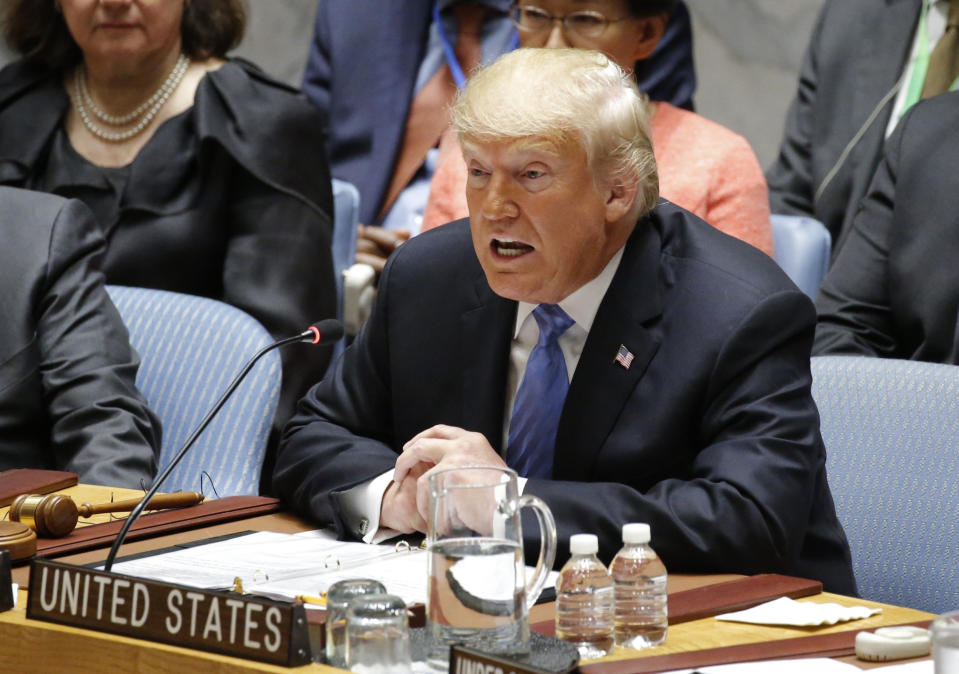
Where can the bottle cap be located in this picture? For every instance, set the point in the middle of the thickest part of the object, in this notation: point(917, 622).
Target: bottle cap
point(636, 533)
point(583, 544)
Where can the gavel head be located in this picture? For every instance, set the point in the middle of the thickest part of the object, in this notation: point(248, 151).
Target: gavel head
point(51, 515)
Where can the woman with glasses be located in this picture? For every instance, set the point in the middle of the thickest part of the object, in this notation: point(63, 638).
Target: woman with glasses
point(703, 167)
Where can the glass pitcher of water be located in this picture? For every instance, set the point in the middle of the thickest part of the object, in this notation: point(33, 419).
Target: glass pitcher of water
point(478, 593)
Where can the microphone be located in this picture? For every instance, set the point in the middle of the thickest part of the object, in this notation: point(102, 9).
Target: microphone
point(326, 331)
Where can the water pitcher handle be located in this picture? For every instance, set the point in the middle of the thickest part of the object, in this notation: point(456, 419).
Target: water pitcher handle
point(547, 550)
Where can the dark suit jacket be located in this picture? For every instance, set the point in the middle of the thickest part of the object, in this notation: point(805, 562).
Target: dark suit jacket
point(893, 291)
point(67, 394)
point(857, 53)
point(362, 68)
point(711, 435)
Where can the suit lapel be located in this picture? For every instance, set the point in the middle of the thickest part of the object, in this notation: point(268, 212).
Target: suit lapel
point(31, 105)
point(886, 39)
point(600, 385)
point(485, 337)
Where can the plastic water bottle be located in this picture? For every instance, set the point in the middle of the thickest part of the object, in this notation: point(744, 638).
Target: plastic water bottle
point(584, 600)
point(639, 579)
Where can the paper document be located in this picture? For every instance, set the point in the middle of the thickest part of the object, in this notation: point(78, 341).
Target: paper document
point(285, 565)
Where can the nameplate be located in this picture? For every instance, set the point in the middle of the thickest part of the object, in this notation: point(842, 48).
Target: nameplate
point(244, 626)
point(465, 660)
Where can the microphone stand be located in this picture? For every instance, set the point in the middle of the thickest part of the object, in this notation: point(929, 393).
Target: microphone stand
point(313, 334)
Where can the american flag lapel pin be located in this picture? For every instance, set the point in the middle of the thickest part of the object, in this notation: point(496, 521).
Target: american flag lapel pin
point(624, 357)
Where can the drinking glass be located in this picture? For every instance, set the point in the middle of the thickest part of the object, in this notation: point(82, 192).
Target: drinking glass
point(377, 635)
point(338, 599)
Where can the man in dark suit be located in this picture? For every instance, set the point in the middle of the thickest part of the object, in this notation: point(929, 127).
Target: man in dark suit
point(369, 59)
point(67, 394)
point(893, 290)
point(688, 404)
point(849, 99)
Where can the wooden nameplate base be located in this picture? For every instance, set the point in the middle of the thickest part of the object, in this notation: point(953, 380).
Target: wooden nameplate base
point(18, 481)
point(214, 511)
point(243, 626)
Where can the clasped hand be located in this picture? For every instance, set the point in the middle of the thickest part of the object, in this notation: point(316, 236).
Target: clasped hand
point(406, 501)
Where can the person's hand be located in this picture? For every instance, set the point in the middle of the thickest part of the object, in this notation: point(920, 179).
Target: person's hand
point(398, 510)
point(439, 448)
point(375, 244)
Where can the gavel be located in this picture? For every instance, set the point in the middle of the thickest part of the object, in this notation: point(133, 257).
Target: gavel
point(56, 515)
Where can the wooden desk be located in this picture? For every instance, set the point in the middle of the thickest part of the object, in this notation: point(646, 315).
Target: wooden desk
point(710, 633)
point(33, 646)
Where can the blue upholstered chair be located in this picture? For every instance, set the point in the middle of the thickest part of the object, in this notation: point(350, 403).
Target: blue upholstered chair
point(802, 247)
point(191, 348)
point(891, 429)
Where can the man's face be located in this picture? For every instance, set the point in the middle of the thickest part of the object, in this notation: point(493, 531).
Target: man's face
point(541, 226)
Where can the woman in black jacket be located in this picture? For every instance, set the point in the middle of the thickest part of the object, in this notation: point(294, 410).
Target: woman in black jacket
point(206, 176)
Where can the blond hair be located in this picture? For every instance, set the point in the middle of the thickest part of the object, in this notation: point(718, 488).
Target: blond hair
point(561, 95)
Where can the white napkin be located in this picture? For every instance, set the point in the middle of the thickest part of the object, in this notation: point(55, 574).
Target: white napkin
point(786, 611)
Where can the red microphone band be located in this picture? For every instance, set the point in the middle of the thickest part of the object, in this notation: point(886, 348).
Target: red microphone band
point(316, 334)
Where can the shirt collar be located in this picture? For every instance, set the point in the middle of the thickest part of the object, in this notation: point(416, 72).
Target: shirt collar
point(583, 303)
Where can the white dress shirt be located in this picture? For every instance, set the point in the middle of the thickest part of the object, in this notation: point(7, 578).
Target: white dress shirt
point(364, 501)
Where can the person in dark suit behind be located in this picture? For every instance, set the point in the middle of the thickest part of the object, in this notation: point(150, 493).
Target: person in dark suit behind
point(67, 394)
point(686, 352)
point(863, 69)
point(893, 290)
point(368, 61)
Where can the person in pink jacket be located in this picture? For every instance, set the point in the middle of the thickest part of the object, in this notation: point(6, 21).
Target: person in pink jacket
point(703, 166)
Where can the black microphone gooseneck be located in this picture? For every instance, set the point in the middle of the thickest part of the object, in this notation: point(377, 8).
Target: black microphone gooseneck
point(328, 330)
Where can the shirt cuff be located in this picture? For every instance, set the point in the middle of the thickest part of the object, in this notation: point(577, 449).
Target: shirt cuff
point(361, 509)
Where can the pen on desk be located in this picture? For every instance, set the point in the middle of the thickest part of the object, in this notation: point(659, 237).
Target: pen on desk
point(308, 599)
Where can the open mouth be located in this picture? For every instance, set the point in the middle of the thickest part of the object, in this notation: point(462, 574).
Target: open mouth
point(510, 248)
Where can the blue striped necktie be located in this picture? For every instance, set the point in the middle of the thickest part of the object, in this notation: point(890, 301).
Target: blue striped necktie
point(540, 398)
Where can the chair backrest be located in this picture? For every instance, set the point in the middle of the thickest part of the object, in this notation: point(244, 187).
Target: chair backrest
point(802, 248)
point(346, 217)
point(891, 429)
point(190, 349)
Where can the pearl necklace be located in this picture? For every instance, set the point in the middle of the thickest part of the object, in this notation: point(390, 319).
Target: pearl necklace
point(144, 113)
